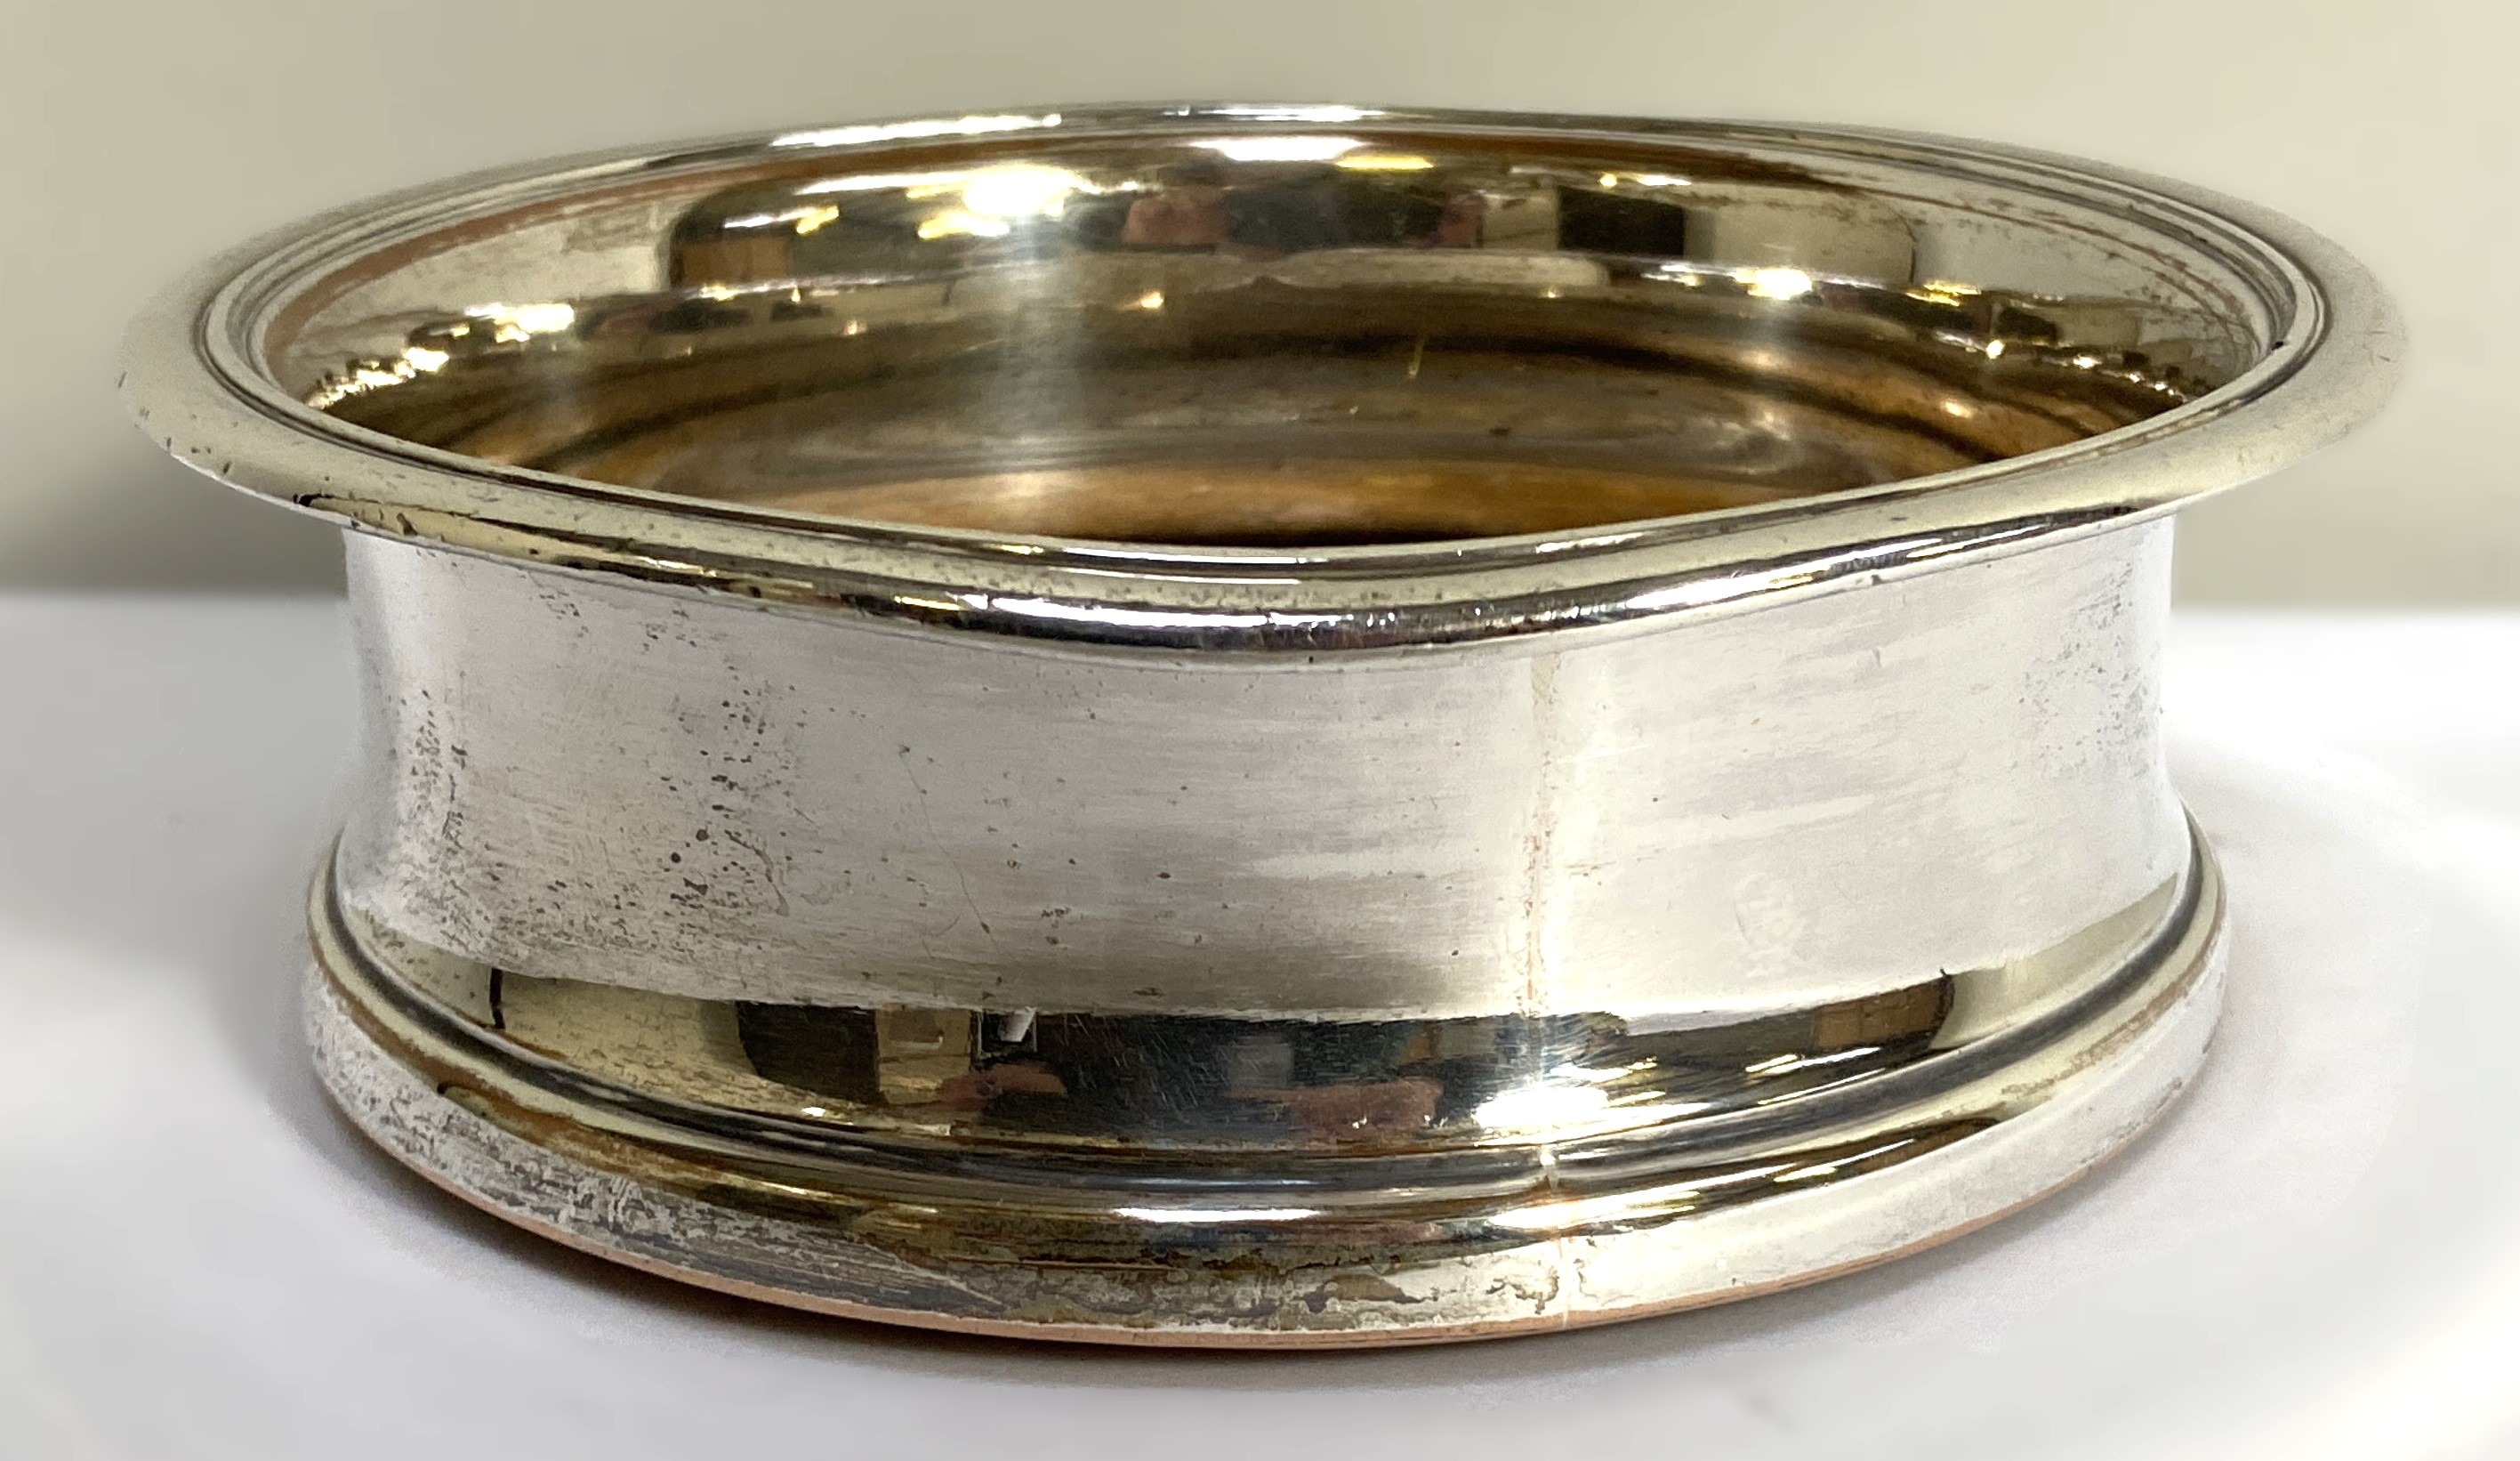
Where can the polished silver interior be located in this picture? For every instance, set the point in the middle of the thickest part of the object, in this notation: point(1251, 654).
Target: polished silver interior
point(1301, 331)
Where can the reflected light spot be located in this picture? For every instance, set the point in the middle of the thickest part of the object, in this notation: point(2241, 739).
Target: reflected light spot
point(1779, 1065)
point(513, 324)
point(1604, 540)
point(1536, 1105)
point(1976, 540)
point(804, 219)
point(537, 319)
point(961, 224)
point(1995, 349)
point(909, 131)
point(1217, 1214)
point(1281, 149)
point(1021, 189)
point(1114, 616)
point(1777, 284)
point(1152, 298)
point(1328, 114)
point(374, 375)
point(1386, 162)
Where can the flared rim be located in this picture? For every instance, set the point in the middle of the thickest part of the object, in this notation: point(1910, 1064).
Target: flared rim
point(195, 382)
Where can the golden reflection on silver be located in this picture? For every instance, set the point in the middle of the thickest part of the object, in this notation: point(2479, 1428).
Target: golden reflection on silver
point(1330, 344)
point(1263, 725)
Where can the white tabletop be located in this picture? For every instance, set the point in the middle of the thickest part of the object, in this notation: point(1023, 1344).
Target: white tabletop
point(2318, 1254)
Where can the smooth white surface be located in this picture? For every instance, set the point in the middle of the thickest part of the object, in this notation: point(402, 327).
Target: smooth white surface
point(2317, 1254)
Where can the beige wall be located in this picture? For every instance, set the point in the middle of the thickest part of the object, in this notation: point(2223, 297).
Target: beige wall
point(140, 136)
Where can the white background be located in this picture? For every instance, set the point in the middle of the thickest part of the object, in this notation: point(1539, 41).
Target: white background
point(137, 136)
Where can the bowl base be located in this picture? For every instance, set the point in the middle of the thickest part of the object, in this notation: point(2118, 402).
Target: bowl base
point(959, 1256)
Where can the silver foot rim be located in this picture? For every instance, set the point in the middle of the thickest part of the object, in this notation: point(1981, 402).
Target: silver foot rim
point(1068, 1258)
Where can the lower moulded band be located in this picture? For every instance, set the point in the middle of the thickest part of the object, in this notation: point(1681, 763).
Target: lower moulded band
point(1148, 1273)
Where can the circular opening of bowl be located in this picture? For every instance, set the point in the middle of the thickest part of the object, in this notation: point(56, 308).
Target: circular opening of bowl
point(1271, 331)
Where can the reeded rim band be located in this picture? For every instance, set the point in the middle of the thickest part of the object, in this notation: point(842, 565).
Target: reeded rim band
point(193, 380)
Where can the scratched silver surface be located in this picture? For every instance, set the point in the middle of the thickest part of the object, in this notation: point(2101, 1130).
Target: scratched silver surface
point(1192, 1279)
point(570, 777)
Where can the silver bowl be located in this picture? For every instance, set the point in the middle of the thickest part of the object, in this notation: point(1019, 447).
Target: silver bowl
point(1263, 725)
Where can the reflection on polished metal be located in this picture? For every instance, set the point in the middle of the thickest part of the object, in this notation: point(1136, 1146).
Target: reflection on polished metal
point(1263, 725)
